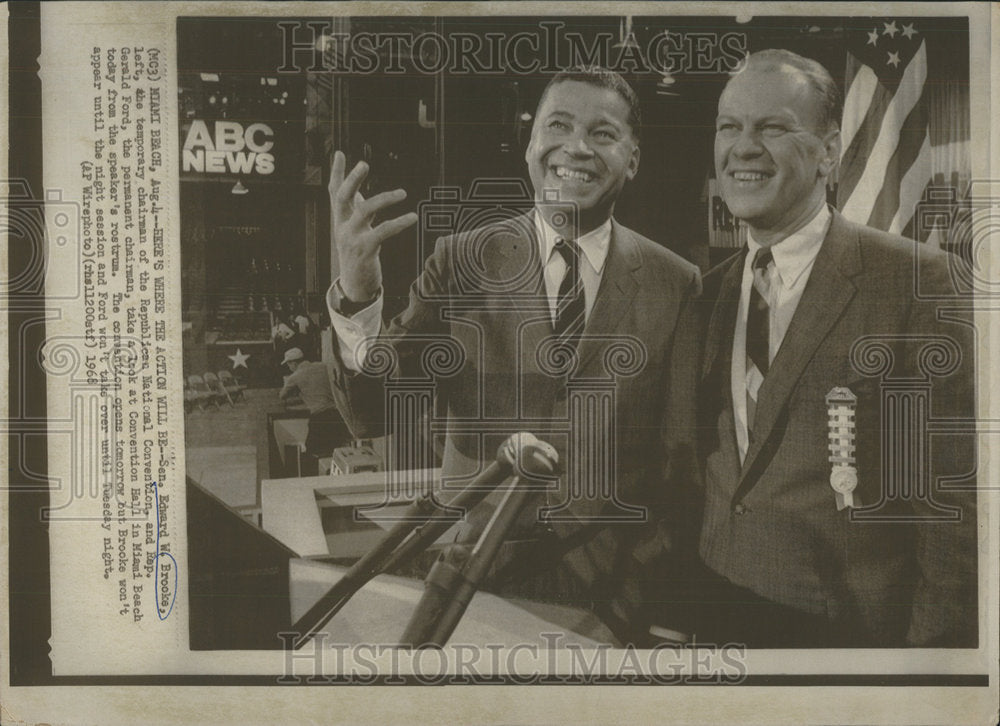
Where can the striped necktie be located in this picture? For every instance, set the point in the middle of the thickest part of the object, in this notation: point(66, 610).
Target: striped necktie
point(758, 329)
point(571, 305)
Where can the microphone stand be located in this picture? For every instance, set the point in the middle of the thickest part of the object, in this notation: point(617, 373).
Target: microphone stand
point(421, 524)
point(450, 587)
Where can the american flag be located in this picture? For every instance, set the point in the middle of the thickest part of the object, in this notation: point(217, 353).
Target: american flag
point(896, 140)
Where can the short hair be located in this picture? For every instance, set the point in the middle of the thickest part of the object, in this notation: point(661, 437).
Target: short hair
point(826, 89)
point(602, 78)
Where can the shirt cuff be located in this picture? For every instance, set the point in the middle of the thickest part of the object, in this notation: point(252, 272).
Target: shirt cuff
point(354, 333)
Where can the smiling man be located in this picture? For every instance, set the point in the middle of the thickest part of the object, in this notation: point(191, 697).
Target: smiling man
point(589, 169)
point(821, 530)
point(521, 297)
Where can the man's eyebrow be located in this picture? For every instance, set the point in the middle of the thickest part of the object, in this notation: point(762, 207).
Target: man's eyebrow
point(769, 118)
point(607, 120)
point(601, 121)
point(783, 118)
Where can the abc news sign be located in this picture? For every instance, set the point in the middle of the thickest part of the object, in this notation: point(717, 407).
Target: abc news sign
point(228, 147)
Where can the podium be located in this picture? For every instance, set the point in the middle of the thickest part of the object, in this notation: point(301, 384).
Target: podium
point(378, 613)
point(248, 584)
point(238, 578)
point(314, 515)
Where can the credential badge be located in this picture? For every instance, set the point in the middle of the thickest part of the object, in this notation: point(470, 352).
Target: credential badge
point(841, 403)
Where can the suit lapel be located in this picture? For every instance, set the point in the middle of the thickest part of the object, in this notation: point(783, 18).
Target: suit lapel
point(519, 270)
point(520, 302)
point(828, 291)
point(619, 285)
point(723, 319)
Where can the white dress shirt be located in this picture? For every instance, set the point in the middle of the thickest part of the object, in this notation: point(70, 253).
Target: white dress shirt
point(354, 332)
point(794, 257)
point(594, 246)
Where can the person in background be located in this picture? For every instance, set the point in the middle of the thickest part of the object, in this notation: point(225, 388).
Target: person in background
point(311, 382)
point(302, 322)
point(281, 333)
point(285, 335)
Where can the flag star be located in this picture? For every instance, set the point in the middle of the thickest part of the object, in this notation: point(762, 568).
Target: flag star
point(893, 59)
point(239, 359)
point(873, 37)
point(909, 31)
point(890, 29)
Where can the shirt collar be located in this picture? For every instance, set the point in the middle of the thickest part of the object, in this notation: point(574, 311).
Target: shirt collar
point(794, 254)
point(595, 244)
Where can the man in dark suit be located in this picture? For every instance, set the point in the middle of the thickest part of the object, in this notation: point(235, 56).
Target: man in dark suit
point(831, 517)
point(562, 322)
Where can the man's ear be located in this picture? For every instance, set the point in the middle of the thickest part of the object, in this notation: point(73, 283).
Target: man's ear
point(831, 153)
point(633, 163)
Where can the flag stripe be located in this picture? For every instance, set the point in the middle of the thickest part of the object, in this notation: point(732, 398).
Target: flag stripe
point(912, 185)
point(859, 99)
point(853, 160)
point(853, 66)
point(862, 196)
point(911, 139)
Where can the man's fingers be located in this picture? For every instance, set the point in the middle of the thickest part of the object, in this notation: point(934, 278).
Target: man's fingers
point(337, 172)
point(350, 186)
point(347, 201)
point(370, 207)
point(393, 227)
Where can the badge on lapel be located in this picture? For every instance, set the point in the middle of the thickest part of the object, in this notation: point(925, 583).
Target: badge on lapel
point(841, 403)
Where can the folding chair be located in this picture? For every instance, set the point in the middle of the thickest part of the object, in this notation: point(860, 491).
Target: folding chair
point(205, 394)
point(233, 387)
point(215, 385)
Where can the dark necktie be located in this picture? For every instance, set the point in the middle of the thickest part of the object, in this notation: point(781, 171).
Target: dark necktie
point(758, 330)
point(571, 305)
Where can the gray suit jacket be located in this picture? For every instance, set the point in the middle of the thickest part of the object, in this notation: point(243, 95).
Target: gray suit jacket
point(902, 571)
point(631, 428)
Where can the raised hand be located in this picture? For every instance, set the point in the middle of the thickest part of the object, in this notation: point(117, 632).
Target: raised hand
point(355, 242)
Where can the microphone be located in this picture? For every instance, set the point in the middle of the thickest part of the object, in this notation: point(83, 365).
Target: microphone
point(448, 587)
point(519, 452)
point(527, 454)
point(422, 523)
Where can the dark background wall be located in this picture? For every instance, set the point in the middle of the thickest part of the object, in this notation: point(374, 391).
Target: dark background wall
point(476, 123)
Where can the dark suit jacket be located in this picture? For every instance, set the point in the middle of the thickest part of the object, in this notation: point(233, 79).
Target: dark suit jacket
point(771, 524)
point(484, 291)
